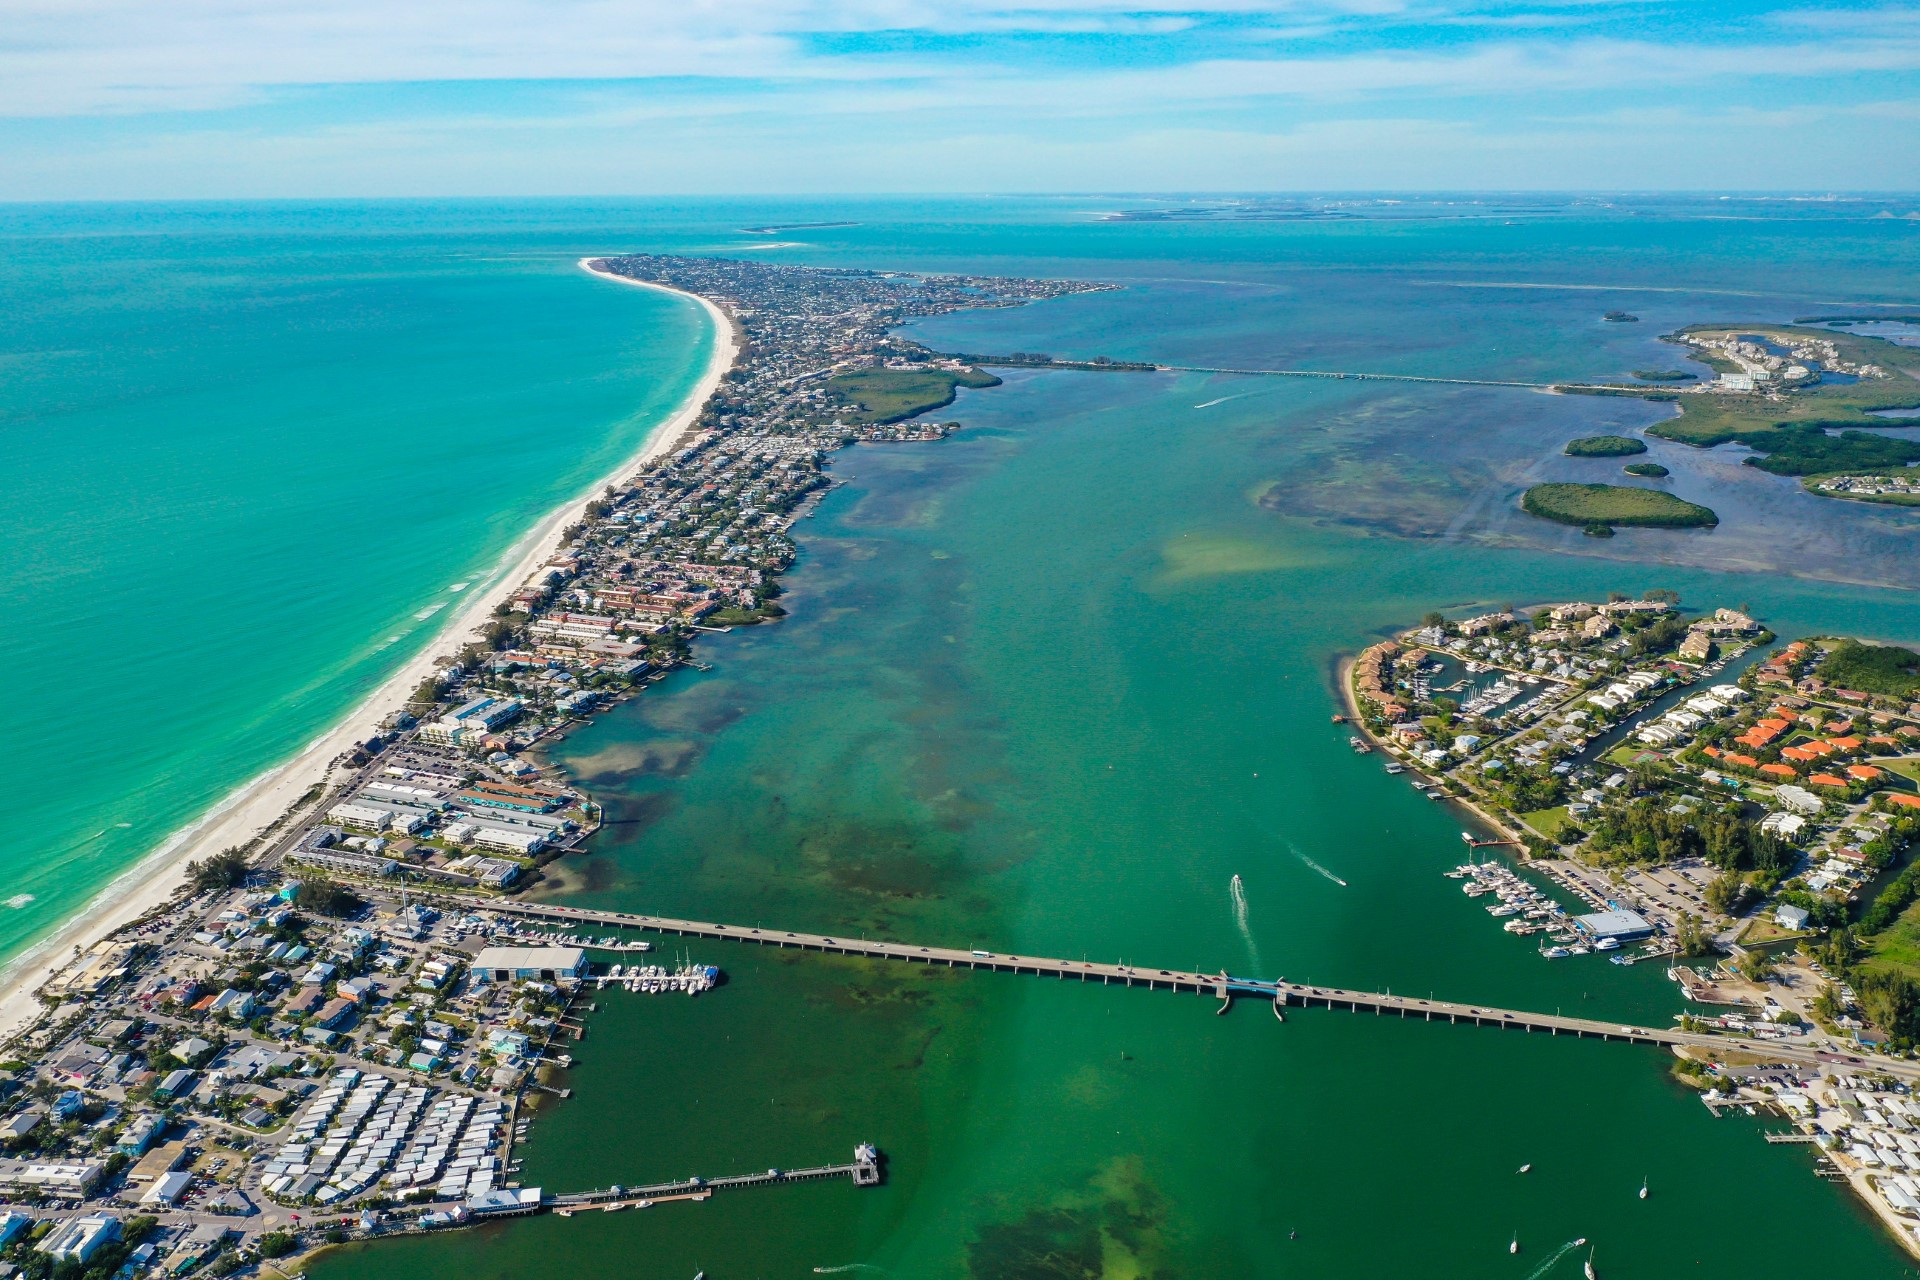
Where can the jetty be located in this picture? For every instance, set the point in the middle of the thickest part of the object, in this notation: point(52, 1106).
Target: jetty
point(1219, 986)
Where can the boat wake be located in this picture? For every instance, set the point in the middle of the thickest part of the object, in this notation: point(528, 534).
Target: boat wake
point(1237, 890)
point(1223, 399)
point(1317, 867)
point(1552, 1259)
point(851, 1266)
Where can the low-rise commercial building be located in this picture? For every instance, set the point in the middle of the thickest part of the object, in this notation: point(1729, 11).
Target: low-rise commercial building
point(545, 964)
point(63, 1180)
point(80, 1239)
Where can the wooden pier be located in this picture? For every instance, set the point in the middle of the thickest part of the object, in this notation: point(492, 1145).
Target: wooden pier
point(1220, 986)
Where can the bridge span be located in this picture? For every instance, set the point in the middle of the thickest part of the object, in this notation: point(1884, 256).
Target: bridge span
point(1221, 986)
point(1359, 377)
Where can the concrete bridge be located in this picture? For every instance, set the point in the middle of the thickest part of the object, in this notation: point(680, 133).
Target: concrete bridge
point(1359, 377)
point(1221, 986)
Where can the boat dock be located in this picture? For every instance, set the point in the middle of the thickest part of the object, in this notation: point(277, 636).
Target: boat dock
point(1217, 985)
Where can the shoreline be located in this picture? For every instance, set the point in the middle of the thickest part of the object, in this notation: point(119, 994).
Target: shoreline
point(244, 813)
point(1343, 676)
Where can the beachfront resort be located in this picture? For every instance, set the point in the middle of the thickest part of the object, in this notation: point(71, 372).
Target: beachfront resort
point(1676, 787)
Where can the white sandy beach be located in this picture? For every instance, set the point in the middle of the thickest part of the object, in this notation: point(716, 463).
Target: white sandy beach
point(251, 808)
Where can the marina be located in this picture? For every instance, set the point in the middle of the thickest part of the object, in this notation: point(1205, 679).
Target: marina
point(653, 979)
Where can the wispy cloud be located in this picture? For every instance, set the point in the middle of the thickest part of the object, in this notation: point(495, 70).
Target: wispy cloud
point(1276, 87)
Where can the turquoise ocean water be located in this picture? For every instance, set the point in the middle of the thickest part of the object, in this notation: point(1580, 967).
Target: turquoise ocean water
point(248, 451)
point(1046, 687)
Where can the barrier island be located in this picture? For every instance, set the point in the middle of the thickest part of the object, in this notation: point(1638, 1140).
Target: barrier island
point(338, 1025)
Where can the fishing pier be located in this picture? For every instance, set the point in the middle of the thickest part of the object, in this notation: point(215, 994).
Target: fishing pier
point(864, 1170)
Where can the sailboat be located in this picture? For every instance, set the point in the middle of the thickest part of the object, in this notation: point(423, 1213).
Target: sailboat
point(1525, 1167)
point(1643, 1188)
point(1515, 1246)
point(1589, 1266)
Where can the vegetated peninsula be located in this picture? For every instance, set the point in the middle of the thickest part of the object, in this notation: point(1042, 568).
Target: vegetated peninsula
point(350, 1008)
point(1897, 487)
point(1742, 825)
point(1784, 391)
point(1605, 447)
point(1810, 450)
point(894, 394)
point(1604, 506)
point(1772, 376)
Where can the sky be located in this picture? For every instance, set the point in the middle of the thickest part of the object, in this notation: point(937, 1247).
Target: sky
point(105, 99)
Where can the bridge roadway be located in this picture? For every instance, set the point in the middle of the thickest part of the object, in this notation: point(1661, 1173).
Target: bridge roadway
point(1218, 985)
point(1359, 377)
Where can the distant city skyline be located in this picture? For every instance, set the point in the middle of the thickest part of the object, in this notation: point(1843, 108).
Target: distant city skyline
point(241, 98)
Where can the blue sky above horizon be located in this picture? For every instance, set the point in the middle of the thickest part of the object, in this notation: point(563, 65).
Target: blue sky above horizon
point(280, 98)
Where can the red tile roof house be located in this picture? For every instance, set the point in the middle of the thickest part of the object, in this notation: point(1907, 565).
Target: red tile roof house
point(1778, 771)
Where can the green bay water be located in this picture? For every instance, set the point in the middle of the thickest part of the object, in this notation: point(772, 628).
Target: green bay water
point(1049, 685)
